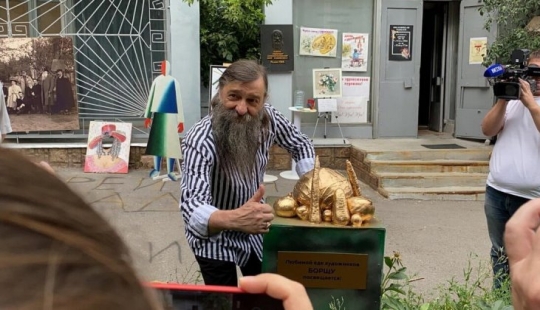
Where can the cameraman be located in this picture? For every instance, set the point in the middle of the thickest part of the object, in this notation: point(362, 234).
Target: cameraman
point(514, 176)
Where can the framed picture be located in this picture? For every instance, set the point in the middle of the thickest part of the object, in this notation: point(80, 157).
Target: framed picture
point(327, 83)
point(38, 82)
point(354, 52)
point(318, 42)
point(215, 73)
point(115, 158)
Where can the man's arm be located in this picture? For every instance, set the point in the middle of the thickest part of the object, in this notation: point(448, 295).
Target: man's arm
point(493, 122)
point(294, 141)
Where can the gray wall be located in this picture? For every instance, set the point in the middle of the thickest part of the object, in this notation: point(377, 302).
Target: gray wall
point(345, 16)
point(185, 57)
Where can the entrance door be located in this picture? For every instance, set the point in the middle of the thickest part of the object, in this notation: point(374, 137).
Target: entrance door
point(432, 70)
point(399, 74)
point(474, 95)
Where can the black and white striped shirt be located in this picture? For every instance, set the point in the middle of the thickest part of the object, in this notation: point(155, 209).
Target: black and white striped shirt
point(205, 189)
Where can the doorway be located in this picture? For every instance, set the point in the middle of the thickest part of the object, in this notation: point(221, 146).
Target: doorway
point(432, 66)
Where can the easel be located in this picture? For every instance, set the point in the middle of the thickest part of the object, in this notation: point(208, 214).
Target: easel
point(325, 110)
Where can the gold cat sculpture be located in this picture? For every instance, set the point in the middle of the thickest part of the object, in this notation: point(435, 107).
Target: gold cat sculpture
point(324, 194)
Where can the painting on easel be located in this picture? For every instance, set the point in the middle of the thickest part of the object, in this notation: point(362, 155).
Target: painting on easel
point(108, 147)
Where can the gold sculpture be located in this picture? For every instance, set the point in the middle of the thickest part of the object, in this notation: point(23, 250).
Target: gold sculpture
point(326, 195)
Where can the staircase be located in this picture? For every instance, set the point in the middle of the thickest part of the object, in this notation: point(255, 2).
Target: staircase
point(449, 174)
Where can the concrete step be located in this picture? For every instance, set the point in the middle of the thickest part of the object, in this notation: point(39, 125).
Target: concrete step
point(431, 179)
point(473, 166)
point(452, 154)
point(435, 193)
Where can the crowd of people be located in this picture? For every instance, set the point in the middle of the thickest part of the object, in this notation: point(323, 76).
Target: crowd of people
point(47, 94)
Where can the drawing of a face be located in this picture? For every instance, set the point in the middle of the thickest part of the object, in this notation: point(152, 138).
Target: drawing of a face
point(277, 40)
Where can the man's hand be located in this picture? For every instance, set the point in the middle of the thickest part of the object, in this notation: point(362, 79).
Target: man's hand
point(253, 217)
point(522, 242)
point(293, 294)
point(180, 127)
point(147, 123)
point(526, 95)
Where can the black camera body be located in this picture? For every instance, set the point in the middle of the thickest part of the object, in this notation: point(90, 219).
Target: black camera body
point(505, 79)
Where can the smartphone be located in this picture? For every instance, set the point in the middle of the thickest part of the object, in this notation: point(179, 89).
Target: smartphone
point(208, 297)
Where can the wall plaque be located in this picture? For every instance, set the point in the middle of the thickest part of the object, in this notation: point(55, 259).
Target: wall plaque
point(277, 48)
point(324, 270)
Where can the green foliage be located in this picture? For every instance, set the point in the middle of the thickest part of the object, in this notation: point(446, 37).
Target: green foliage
point(229, 30)
point(511, 16)
point(337, 304)
point(473, 293)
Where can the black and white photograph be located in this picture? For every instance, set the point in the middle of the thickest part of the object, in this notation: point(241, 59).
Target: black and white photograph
point(38, 83)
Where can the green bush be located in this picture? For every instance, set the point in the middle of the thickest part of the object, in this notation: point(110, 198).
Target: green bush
point(473, 292)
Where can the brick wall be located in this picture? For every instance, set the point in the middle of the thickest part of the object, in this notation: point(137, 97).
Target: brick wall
point(330, 157)
point(74, 157)
point(362, 169)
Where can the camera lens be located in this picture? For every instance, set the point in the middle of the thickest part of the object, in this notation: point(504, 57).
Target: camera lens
point(511, 90)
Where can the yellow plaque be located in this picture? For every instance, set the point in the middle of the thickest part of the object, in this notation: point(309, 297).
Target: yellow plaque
point(325, 270)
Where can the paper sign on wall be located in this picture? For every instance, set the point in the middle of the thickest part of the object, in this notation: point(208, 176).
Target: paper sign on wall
point(353, 106)
point(351, 110)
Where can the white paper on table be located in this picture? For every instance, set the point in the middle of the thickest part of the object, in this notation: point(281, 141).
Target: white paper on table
point(327, 105)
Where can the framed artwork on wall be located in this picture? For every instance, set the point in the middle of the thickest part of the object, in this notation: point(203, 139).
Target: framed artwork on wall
point(327, 83)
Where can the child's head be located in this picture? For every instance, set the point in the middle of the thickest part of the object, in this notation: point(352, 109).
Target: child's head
point(56, 252)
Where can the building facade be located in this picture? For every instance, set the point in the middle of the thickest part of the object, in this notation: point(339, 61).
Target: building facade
point(438, 86)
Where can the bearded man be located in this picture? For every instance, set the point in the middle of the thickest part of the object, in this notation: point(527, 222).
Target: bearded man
point(225, 158)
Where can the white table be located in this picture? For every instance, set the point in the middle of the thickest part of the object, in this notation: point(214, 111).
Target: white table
point(297, 120)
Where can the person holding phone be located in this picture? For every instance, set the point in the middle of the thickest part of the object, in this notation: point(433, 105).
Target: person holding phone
point(225, 158)
point(522, 241)
point(59, 253)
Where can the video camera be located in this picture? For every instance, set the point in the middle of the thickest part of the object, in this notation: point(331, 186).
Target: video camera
point(505, 79)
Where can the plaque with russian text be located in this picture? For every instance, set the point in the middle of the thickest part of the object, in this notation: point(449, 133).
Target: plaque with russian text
point(277, 48)
point(324, 270)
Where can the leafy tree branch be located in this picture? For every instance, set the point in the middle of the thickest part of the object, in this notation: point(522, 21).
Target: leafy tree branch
point(511, 18)
point(229, 30)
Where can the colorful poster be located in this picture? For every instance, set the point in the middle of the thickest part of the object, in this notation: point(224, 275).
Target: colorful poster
point(318, 42)
point(115, 158)
point(401, 40)
point(477, 50)
point(37, 76)
point(326, 83)
point(353, 106)
point(354, 52)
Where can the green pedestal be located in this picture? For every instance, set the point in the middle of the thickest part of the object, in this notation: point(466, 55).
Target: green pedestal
point(341, 262)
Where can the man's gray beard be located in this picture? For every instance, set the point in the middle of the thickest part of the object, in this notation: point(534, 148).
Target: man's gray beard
point(237, 139)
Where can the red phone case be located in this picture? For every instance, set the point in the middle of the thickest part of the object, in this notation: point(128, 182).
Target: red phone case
point(241, 300)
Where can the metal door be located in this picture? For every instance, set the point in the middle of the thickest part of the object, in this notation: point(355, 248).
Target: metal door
point(474, 95)
point(399, 79)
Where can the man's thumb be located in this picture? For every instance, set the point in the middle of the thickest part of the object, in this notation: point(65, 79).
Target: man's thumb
point(259, 194)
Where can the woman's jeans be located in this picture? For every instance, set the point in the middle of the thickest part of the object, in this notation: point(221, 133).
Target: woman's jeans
point(499, 208)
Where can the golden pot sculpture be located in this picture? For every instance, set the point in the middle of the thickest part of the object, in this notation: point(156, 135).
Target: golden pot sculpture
point(326, 195)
